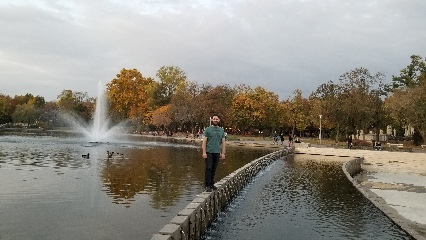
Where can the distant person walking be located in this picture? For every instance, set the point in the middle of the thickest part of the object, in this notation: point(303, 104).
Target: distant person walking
point(350, 142)
point(282, 138)
point(290, 140)
point(275, 138)
point(214, 148)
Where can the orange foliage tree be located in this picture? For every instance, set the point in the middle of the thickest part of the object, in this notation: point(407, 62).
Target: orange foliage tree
point(255, 109)
point(130, 95)
point(160, 117)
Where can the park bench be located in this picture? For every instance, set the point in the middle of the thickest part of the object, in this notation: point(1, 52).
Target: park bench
point(361, 147)
point(397, 145)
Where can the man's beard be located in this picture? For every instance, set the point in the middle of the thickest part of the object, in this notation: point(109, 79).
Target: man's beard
point(215, 123)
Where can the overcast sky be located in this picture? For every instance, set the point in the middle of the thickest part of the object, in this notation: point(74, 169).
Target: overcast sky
point(47, 46)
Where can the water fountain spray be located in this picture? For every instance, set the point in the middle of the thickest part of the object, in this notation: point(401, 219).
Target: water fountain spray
point(99, 130)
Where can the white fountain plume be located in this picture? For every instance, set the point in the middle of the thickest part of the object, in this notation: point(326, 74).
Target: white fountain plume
point(98, 130)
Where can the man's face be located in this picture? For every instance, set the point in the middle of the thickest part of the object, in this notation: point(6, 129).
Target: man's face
point(215, 120)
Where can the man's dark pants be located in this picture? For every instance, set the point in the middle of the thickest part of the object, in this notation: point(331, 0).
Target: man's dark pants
point(211, 164)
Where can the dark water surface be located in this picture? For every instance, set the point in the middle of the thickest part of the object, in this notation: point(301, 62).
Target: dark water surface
point(48, 190)
point(301, 198)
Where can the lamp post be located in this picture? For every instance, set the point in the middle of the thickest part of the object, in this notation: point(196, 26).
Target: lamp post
point(320, 116)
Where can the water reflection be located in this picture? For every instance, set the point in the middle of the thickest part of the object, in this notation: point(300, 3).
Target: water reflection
point(161, 173)
point(164, 173)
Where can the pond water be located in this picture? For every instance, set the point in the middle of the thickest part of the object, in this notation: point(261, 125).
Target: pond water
point(50, 189)
point(303, 198)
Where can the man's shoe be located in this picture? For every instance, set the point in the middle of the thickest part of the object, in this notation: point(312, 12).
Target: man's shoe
point(214, 188)
point(208, 189)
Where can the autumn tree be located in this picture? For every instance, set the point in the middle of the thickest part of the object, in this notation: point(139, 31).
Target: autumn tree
point(66, 101)
point(379, 118)
point(5, 116)
point(316, 110)
point(25, 113)
point(69, 101)
point(76, 103)
point(242, 108)
point(130, 95)
point(49, 115)
point(329, 101)
point(408, 96)
point(215, 100)
point(38, 100)
point(409, 110)
point(160, 117)
point(39, 104)
point(171, 78)
point(13, 103)
point(362, 105)
point(418, 104)
point(28, 105)
point(184, 110)
point(355, 103)
point(284, 115)
point(396, 104)
point(270, 102)
point(411, 75)
point(255, 109)
point(299, 110)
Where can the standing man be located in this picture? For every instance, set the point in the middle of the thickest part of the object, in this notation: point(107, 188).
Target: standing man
point(213, 149)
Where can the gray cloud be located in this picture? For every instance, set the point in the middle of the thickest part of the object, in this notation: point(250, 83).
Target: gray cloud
point(47, 46)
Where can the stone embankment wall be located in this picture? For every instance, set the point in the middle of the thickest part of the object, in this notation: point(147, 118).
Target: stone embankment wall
point(191, 222)
point(352, 168)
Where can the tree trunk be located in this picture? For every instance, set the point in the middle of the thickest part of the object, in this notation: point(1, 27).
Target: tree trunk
point(337, 133)
point(377, 134)
point(423, 134)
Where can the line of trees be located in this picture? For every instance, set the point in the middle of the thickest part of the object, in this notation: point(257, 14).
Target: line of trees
point(358, 100)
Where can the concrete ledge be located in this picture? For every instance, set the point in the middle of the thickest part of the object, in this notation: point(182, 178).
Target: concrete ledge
point(191, 222)
point(172, 230)
point(161, 237)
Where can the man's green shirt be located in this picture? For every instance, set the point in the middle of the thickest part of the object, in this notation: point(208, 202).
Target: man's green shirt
point(214, 139)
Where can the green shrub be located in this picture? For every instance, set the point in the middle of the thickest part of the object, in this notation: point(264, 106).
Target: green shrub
point(417, 138)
